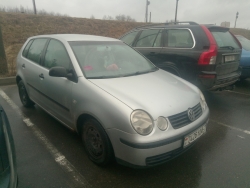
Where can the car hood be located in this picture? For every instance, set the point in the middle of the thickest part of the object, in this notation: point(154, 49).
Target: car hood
point(159, 93)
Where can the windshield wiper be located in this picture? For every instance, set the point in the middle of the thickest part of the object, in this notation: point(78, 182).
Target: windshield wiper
point(139, 72)
point(228, 47)
point(100, 77)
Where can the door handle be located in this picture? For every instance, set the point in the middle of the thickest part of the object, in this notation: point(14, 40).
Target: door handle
point(152, 53)
point(41, 76)
point(23, 65)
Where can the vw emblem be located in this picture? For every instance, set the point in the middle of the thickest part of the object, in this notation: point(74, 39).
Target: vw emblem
point(191, 114)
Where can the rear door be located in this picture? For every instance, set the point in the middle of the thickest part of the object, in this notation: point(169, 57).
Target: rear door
point(149, 43)
point(31, 67)
point(229, 51)
point(179, 44)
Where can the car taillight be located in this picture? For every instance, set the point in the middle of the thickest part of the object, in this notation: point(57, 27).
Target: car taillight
point(208, 57)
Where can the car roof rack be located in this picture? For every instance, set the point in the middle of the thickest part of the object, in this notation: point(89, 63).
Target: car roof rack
point(150, 25)
point(188, 22)
point(165, 24)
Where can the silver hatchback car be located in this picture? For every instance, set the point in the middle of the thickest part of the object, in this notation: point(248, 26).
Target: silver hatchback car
point(117, 100)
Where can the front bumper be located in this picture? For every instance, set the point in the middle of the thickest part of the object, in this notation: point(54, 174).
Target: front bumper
point(132, 151)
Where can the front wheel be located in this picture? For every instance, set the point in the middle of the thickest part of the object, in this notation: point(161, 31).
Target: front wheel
point(24, 95)
point(97, 143)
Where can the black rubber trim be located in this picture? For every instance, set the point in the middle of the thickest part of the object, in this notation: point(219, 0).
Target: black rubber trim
point(161, 142)
point(125, 163)
point(49, 98)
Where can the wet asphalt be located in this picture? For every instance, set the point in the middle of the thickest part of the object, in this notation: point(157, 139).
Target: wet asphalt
point(220, 159)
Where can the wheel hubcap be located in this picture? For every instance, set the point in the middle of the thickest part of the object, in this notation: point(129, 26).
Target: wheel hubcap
point(94, 142)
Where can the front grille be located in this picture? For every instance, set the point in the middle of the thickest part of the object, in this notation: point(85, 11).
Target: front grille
point(162, 158)
point(181, 119)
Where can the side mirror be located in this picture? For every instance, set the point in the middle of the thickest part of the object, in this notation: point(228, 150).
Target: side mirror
point(59, 72)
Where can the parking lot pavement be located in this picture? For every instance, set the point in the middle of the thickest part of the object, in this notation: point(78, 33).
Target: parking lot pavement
point(50, 155)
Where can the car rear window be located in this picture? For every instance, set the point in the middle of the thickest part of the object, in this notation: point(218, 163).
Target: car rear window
point(224, 39)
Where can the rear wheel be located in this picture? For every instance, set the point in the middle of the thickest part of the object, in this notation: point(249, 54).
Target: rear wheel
point(24, 95)
point(170, 67)
point(96, 142)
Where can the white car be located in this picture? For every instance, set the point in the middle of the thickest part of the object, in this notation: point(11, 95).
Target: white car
point(121, 104)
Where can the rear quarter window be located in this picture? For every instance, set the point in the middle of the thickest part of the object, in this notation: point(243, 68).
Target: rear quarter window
point(179, 38)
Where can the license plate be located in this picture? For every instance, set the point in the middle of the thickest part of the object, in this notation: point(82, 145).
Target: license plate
point(194, 136)
point(229, 58)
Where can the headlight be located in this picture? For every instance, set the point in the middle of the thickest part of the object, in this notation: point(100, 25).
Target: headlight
point(203, 101)
point(142, 122)
point(162, 123)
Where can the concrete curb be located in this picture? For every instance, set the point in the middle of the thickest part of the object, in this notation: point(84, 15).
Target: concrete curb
point(7, 81)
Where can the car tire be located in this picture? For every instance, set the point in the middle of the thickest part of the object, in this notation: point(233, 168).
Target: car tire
point(96, 143)
point(24, 97)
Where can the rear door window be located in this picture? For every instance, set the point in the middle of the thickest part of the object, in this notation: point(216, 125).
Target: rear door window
point(56, 55)
point(35, 50)
point(224, 39)
point(179, 38)
point(129, 38)
point(148, 38)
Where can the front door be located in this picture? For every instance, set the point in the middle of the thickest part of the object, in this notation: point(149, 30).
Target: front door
point(57, 89)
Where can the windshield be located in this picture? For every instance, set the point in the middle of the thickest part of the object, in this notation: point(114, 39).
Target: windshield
point(109, 60)
point(224, 39)
point(244, 42)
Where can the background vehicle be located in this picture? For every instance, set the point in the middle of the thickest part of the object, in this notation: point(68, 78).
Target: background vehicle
point(206, 55)
point(245, 57)
point(8, 172)
point(96, 86)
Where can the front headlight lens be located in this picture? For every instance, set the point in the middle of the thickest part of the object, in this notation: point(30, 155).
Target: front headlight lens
point(162, 123)
point(142, 122)
point(203, 101)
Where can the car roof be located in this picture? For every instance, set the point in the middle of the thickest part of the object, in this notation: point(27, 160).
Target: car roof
point(76, 37)
point(185, 24)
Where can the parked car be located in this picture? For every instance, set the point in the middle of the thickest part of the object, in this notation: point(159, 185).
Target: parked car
point(8, 171)
point(205, 55)
point(245, 57)
point(117, 100)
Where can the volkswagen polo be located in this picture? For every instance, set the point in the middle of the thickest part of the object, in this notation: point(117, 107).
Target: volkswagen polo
point(121, 104)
